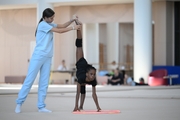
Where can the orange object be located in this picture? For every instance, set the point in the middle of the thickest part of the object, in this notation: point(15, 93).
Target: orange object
point(95, 112)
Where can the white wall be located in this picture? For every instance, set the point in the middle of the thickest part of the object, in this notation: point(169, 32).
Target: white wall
point(112, 43)
point(160, 33)
point(126, 37)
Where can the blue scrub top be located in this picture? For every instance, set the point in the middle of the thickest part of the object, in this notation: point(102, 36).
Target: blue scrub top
point(44, 39)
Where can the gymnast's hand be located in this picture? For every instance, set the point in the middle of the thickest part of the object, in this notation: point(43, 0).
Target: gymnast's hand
point(76, 109)
point(99, 109)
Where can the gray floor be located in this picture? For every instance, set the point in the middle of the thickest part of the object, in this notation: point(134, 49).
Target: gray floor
point(135, 103)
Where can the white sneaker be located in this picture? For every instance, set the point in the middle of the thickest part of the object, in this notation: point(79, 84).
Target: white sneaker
point(44, 110)
point(18, 108)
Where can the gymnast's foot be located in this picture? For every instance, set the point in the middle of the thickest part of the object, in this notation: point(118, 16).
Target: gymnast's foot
point(76, 20)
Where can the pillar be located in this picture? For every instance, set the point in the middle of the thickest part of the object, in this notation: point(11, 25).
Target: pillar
point(142, 39)
point(41, 6)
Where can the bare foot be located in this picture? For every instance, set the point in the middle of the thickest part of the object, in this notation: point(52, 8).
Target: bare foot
point(75, 17)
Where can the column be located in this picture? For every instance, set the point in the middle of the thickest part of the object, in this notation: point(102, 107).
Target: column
point(41, 5)
point(142, 39)
point(91, 43)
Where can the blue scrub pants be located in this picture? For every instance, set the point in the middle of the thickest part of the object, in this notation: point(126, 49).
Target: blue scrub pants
point(37, 63)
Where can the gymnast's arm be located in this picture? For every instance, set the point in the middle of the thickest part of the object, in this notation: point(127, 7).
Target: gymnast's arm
point(77, 97)
point(95, 98)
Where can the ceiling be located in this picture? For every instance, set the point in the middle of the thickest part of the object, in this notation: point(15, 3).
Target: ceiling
point(22, 4)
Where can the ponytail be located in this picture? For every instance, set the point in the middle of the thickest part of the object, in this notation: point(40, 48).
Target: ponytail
point(37, 25)
point(48, 12)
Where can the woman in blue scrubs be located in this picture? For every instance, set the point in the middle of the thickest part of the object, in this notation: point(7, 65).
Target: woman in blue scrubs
point(41, 58)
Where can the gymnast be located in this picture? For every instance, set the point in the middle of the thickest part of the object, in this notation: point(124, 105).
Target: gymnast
point(86, 74)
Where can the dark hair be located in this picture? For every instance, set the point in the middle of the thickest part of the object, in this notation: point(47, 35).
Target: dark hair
point(90, 67)
point(48, 12)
